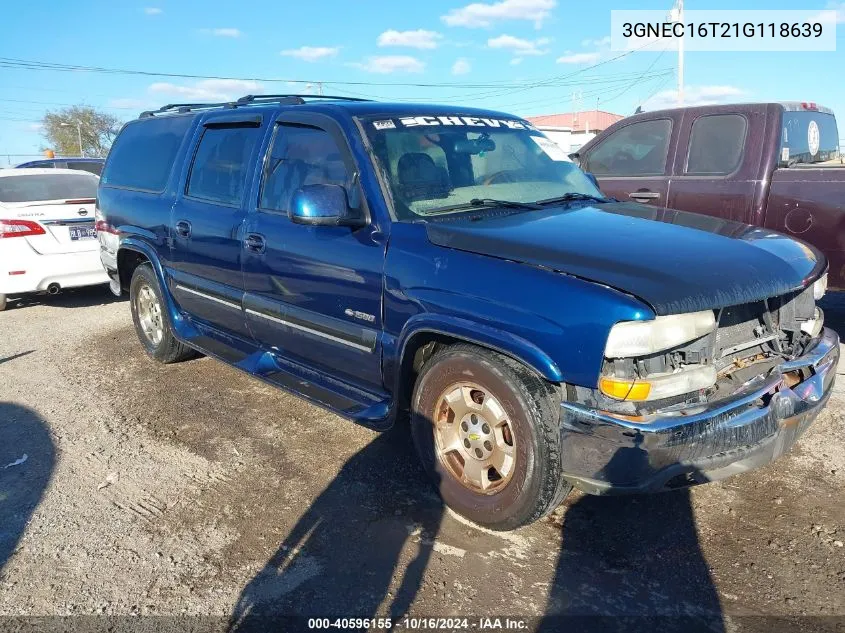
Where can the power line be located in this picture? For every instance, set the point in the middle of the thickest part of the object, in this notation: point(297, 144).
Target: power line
point(11, 62)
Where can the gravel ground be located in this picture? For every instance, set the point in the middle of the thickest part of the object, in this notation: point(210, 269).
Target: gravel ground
point(128, 487)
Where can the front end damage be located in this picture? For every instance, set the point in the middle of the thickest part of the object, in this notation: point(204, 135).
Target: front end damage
point(767, 370)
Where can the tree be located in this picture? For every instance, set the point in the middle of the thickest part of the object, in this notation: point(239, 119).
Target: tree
point(64, 129)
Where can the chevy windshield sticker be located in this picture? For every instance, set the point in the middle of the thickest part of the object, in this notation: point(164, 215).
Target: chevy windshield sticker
point(552, 149)
point(471, 121)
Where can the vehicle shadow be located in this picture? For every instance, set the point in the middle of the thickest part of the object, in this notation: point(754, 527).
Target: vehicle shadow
point(72, 298)
point(353, 553)
point(632, 563)
point(833, 305)
point(27, 459)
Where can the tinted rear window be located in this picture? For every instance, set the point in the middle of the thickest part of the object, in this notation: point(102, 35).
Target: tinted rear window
point(220, 164)
point(808, 137)
point(47, 187)
point(142, 155)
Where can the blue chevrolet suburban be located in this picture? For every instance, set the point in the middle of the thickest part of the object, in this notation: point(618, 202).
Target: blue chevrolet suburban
point(450, 263)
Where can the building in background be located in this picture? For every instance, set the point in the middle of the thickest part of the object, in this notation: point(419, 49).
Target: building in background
point(571, 130)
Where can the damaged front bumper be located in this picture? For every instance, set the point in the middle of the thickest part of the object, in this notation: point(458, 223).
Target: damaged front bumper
point(607, 453)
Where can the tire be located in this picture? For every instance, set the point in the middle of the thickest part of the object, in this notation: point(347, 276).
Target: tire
point(526, 483)
point(152, 322)
point(3, 302)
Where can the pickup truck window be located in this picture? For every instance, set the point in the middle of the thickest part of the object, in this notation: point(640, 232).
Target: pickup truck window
point(716, 144)
point(143, 153)
point(639, 149)
point(808, 137)
point(434, 164)
point(300, 155)
point(220, 164)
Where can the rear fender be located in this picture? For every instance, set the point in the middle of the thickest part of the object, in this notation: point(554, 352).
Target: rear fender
point(182, 328)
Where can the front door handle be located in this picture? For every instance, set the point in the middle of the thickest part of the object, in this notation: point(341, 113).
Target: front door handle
point(183, 228)
point(644, 195)
point(255, 243)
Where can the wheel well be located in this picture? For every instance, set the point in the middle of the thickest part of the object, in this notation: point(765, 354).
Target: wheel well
point(127, 261)
point(418, 350)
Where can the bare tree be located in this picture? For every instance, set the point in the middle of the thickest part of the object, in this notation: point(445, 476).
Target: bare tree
point(80, 130)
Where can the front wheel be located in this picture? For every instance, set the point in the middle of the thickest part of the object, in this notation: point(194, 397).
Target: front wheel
point(486, 429)
point(151, 320)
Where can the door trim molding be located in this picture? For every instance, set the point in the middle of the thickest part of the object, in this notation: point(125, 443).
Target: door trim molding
point(298, 326)
point(228, 304)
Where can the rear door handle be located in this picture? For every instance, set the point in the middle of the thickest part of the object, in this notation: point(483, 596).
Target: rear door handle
point(644, 195)
point(183, 228)
point(255, 243)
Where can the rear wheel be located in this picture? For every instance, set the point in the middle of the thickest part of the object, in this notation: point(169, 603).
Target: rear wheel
point(152, 323)
point(486, 429)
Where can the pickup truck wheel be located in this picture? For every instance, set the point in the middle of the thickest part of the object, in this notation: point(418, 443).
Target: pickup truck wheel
point(152, 323)
point(2, 302)
point(486, 429)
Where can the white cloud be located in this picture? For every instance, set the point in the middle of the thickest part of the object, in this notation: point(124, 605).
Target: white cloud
point(694, 96)
point(412, 39)
point(153, 11)
point(388, 64)
point(579, 58)
point(224, 32)
point(518, 46)
point(34, 127)
point(479, 14)
point(831, 18)
point(209, 89)
point(600, 43)
point(516, 61)
point(461, 67)
point(312, 53)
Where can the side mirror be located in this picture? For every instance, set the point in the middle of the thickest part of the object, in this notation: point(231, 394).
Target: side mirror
point(322, 205)
point(575, 157)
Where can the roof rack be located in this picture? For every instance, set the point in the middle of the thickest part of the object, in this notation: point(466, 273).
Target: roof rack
point(300, 97)
point(282, 99)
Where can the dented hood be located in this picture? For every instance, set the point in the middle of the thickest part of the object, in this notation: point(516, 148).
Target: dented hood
point(675, 261)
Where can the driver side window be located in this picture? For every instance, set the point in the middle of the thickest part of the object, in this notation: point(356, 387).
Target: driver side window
point(639, 149)
point(300, 155)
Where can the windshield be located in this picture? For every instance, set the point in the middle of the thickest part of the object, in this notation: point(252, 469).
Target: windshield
point(37, 187)
point(439, 164)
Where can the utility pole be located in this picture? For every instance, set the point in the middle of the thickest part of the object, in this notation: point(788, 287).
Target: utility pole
point(677, 15)
point(78, 136)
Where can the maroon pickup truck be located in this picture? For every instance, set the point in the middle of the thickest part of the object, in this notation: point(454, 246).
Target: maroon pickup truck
point(775, 165)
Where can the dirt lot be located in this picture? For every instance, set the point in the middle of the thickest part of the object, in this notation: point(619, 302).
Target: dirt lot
point(132, 488)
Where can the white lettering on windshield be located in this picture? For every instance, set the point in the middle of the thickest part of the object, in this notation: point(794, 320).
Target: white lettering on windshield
point(414, 121)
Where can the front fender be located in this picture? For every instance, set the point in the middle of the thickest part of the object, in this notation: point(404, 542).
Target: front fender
point(479, 334)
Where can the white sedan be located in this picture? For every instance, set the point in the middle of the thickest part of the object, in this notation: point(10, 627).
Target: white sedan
point(47, 236)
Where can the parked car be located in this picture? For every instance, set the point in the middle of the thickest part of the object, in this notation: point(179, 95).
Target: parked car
point(47, 230)
point(775, 165)
point(380, 258)
point(92, 165)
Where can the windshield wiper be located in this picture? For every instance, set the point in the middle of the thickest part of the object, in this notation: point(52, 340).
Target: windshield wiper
point(489, 203)
point(572, 195)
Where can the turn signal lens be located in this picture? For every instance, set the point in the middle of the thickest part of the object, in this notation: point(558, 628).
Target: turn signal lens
point(622, 389)
point(659, 386)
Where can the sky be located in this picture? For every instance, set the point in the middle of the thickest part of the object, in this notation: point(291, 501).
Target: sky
point(525, 57)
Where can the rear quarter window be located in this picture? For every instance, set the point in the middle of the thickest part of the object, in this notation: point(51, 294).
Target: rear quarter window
point(143, 153)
